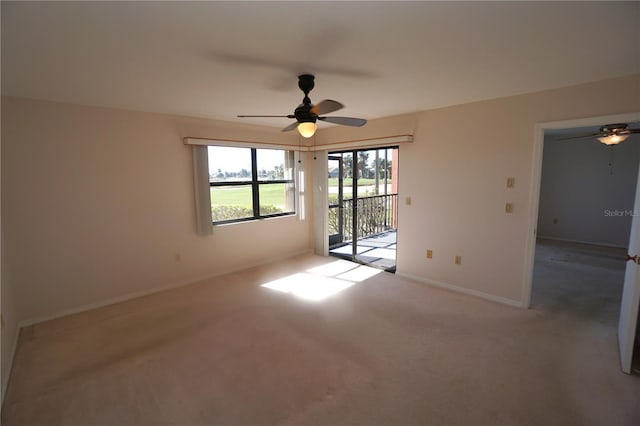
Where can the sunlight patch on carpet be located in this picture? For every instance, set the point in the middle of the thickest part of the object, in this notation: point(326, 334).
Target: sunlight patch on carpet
point(321, 282)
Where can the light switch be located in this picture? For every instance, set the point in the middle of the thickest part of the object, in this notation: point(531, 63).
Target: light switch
point(508, 208)
point(429, 254)
point(511, 182)
point(407, 201)
point(458, 260)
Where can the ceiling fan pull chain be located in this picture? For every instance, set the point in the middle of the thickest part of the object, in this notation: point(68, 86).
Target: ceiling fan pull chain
point(314, 146)
point(611, 159)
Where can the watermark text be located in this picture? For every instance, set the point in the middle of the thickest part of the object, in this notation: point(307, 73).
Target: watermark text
point(621, 213)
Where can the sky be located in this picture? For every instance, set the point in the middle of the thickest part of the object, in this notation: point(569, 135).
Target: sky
point(236, 159)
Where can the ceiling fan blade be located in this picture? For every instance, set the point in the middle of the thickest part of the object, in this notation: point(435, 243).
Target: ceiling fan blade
point(592, 135)
point(267, 116)
point(325, 107)
point(290, 127)
point(345, 121)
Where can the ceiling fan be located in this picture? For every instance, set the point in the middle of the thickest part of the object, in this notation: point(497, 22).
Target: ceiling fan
point(609, 134)
point(306, 114)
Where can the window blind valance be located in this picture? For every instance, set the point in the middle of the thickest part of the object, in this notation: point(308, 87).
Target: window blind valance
point(243, 144)
point(359, 143)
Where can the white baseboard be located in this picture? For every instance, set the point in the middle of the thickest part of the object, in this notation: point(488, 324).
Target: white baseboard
point(566, 240)
point(134, 295)
point(463, 290)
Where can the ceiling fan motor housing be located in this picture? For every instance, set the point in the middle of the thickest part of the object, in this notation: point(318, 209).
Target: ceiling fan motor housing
point(303, 114)
point(614, 129)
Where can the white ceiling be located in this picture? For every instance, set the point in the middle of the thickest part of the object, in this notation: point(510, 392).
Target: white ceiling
point(220, 59)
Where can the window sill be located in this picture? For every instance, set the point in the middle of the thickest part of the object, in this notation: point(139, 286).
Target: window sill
point(253, 220)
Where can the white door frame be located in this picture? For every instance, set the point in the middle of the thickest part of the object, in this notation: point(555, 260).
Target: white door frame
point(536, 175)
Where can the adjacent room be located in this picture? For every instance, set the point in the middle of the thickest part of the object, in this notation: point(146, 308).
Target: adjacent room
point(587, 197)
point(320, 213)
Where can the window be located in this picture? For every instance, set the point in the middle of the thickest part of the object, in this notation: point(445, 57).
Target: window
point(250, 183)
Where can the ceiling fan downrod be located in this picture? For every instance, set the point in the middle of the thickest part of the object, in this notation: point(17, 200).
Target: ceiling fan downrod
point(306, 83)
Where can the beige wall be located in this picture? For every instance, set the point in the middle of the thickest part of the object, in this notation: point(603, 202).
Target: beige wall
point(455, 172)
point(99, 204)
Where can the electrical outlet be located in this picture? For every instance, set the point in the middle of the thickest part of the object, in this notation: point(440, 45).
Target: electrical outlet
point(508, 208)
point(407, 201)
point(429, 254)
point(458, 260)
point(511, 182)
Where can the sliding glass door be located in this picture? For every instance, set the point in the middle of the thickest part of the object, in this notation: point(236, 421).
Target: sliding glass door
point(363, 205)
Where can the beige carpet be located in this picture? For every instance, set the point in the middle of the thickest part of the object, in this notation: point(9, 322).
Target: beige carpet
point(384, 351)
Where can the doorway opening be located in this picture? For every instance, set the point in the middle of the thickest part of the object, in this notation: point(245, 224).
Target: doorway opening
point(586, 216)
point(363, 206)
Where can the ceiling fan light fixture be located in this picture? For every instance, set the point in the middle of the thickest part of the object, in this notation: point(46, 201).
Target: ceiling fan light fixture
point(613, 138)
point(307, 129)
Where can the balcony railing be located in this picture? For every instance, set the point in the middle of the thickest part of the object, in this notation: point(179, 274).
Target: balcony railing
point(375, 215)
